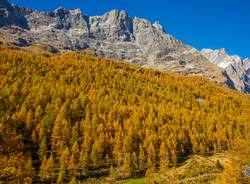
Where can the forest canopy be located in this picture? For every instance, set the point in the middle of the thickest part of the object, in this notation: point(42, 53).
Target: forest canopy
point(76, 116)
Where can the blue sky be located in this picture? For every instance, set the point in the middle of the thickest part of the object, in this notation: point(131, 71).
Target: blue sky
point(200, 23)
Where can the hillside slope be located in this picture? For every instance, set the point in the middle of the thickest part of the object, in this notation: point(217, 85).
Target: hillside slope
point(79, 116)
point(115, 35)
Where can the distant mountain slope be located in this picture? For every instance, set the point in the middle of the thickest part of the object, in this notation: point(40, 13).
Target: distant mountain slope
point(220, 57)
point(114, 35)
point(237, 69)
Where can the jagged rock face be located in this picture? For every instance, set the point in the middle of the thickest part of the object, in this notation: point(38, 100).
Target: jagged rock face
point(236, 69)
point(60, 19)
point(155, 44)
point(64, 29)
point(239, 73)
point(114, 35)
point(113, 26)
point(11, 15)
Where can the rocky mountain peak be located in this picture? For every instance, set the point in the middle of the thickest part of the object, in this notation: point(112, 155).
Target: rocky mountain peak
point(140, 23)
point(236, 69)
point(220, 57)
point(222, 51)
point(158, 26)
point(113, 25)
point(61, 11)
point(76, 11)
point(12, 15)
point(246, 60)
point(117, 14)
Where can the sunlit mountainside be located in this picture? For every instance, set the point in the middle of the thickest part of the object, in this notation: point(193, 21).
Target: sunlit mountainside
point(75, 117)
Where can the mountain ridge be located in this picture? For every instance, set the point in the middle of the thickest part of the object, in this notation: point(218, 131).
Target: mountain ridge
point(118, 36)
point(236, 69)
point(114, 35)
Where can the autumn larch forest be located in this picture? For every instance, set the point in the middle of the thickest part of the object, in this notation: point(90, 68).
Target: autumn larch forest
point(71, 117)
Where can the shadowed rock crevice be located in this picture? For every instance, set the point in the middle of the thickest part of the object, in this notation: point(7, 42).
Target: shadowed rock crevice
point(229, 82)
